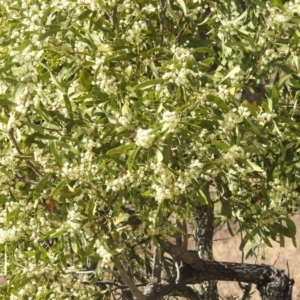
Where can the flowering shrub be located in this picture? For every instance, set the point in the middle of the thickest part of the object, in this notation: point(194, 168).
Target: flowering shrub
point(115, 116)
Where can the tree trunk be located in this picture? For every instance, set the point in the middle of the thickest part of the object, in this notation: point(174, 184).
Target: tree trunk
point(204, 237)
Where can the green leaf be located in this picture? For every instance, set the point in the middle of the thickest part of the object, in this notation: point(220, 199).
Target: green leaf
point(3, 199)
point(148, 84)
point(68, 105)
point(4, 102)
point(281, 239)
point(291, 226)
point(283, 80)
point(283, 151)
point(22, 46)
point(40, 186)
point(53, 79)
point(85, 80)
point(59, 186)
point(167, 148)
point(203, 50)
point(58, 232)
point(254, 128)
point(131, 159)
point(183, 6)
point(18, 91)
point(120, 149)
point(266, 240)
point(229, 228)
point(237, 46)
point(226, 209)
point(56, 154)
point(259, 3)
point(45, 294)
point(35, 127)
point(278, 4)
point(68, 146)
point(254, 166)
point(170, 10)
point(249, 236)
point(104, 48)
point(221, 104)
point(52, 30)
point(84, 15)
point(202, 197)
point(223, 146)
point(234, 71)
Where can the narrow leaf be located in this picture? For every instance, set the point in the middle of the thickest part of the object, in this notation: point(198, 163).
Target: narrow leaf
point(254, 166)
point(120, 149)
point(183, 6)
point(56, 154)
point(40, 186)
point(18, 91)
point(148, 84)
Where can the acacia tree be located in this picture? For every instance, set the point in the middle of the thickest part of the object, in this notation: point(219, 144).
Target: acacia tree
point(119, 118)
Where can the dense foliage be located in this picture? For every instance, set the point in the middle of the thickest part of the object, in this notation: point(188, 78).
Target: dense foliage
point(116, 118)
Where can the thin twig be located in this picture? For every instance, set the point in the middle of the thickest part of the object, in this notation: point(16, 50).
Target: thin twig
point(247, 287)
point(26, 180)
point(163, 6)
point(288, 268)
point(276, 260)
point(28, 162)
point(151, 287)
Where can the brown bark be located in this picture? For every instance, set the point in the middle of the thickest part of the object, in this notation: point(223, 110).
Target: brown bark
point(204, 237)
point(271, 282)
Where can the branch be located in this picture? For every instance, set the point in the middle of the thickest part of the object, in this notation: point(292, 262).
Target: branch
point(127, 280)
point(271, 282)
point(156, 273)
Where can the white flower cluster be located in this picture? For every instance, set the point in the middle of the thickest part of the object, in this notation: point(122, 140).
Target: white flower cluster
point(127, 6)
point(231, 119)
point(180, 76)
point(183, 55)
point(133, 35)
point(10, 235)
point(170, 121)
point(244, 111)
point(104, 254)
point(106, 83)
point(228, 159)
point(196, 164)
point(120, 182)
point(73, 221)
point(264, 117)
point(223, 91)
point(164, 182)
point(45, 160)
point(144, 137)
point(149, 9)
point(81, 172)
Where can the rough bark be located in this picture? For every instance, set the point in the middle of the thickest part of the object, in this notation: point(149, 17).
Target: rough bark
point(271, 282)
point(204, 237)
